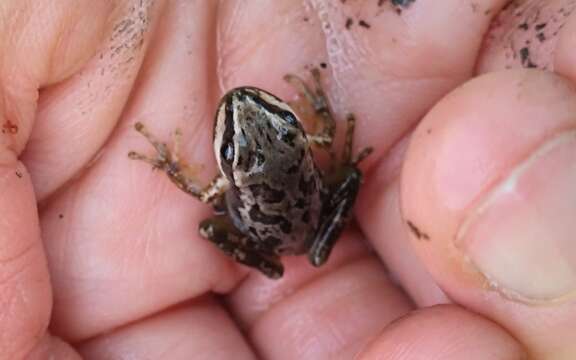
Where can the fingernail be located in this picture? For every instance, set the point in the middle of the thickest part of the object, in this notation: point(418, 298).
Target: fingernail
point(522, 236)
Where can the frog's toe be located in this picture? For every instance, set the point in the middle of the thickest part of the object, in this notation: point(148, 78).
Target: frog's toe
point(155, 162)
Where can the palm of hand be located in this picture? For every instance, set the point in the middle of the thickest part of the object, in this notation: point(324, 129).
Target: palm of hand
point(125, 265)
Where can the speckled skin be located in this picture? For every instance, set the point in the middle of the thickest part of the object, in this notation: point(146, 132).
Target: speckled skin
point(276, 189)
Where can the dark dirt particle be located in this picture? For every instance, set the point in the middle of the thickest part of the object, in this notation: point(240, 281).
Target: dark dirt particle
point(323, 65)
point(523, 26)
point(540, 26)
point(525, 54)
point(19, 174)
point(364, 24)
point(349, 23)
point(525, 58)
point(420, 235)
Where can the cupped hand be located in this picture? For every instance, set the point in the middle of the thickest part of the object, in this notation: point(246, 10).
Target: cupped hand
point(462, 245)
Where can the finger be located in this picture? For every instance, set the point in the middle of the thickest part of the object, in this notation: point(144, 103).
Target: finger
point(380, 217)
point(489, 178)
point(319, 313)
point(122, 240)
point(443, 332)
point(39, 54)
point(25, 294)
point(200, 330)
point(36, 53)
point(49, 347)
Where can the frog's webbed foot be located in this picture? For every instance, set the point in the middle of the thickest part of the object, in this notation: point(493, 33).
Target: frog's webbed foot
point(319, 102)
point(164, 158)
point(181, 173)
point(220, 231)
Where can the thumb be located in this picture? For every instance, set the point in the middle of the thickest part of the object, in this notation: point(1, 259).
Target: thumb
point(490, 179)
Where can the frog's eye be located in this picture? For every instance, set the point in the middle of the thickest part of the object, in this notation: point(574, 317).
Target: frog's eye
point(289, 118)
point(227, 152)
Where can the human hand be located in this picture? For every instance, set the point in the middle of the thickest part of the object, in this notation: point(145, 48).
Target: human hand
point(116, 244)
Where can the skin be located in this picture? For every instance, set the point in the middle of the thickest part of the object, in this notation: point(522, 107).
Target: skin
point(110, 264)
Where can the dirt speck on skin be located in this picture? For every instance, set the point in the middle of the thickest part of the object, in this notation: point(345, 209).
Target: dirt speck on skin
point(19, 174)
point(525, 58)
point(523, 26)
point(349, 23)
point(364, 24)
point(419, 234)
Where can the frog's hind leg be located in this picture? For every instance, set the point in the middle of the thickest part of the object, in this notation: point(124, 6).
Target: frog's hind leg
point(182, 174)
point(319, 102)
point(342, 186)
point(220, 231)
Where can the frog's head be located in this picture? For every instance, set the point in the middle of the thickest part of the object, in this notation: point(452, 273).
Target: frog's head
point(255, 134)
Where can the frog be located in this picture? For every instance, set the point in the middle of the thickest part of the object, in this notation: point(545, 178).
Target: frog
point(270, 198)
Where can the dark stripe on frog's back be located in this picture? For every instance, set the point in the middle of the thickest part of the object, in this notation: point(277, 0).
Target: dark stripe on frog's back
point(226, 101)
point(273, 109)
point(228, 133)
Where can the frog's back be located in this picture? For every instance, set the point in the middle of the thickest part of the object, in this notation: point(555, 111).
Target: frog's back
point(276, 187)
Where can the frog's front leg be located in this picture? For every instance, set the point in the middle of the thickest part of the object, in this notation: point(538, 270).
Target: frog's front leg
point(178, 171)
point(319, 102)
point(220, 231)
